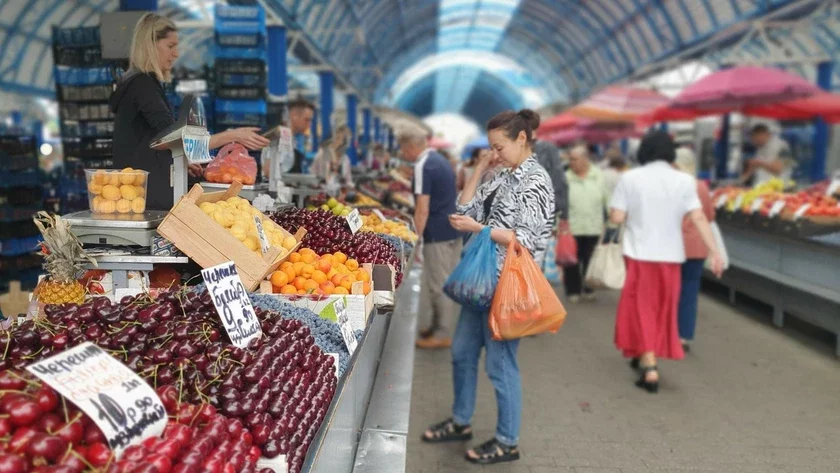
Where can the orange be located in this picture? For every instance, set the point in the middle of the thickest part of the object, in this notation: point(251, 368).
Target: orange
point(307, 270)
point(299, 283)
point(362, 275)
point(332, 272)
point(328, 287)
point(279, 279)
point(290, 272)
point(340, 257)
point(341, 291)
point(346, 283)
point(294, 257)
point(336, 279)
point(298, 267)
point(288, 289)
point(306, 251)
point(366, 288)
point(286, 264)
point(308, 258)
point(310, 285)
point(319, 276)
point(323, 265)
point(352, 264)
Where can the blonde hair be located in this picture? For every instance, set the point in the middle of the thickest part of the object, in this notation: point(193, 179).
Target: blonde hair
point(149, 30)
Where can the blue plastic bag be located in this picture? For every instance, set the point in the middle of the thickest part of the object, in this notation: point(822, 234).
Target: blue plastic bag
point(473, 282)
point(550, 269)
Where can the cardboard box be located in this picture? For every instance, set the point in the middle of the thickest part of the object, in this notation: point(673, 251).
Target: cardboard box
point(383, 277)
point(208, 244)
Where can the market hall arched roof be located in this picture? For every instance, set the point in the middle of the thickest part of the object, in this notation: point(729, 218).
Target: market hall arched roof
point(412, 54)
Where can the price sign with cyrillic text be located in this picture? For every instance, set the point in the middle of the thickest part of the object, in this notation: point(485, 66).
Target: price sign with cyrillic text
point(354, 220)
point(124, 407)
point(232, 303)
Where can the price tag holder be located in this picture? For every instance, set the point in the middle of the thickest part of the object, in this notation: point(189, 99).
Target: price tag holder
point(344, 323)
point(232, 303)
point(776, 209)
point(833, 187)
point(354, 220)
point(801, 211)
point(756, 205)
point(196, 142)
point(264, 245)
point(738, 201)
point(121, 404)
point(721, 201)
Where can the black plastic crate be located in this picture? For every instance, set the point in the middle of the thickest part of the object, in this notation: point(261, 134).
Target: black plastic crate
point(18, 163)
point(17, 144)
point(94, 111)
point(89, 93)
point(20, 263)
point(21, 229)
point(21, 196)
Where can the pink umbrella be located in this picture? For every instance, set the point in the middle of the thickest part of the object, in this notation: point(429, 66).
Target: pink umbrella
point(439, 143)
point(559, 122)
point(619, 103)
point(739, 87)
point(824, 104)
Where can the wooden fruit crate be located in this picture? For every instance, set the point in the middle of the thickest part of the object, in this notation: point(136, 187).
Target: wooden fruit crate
point(208, 244)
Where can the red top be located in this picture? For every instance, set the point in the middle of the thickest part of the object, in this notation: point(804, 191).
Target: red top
point(694, 246)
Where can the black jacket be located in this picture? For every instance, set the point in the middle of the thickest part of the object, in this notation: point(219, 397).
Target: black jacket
point(140, 113)
point(549, 157)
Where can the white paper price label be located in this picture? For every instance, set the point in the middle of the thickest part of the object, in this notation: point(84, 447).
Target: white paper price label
point(833, 187)
point(738, 201)
point(121, 404)
point(196, 143)
point(756, 205)
point(344, 323)
point(800, 212)
point(232, 303)
point(354, 220)
point(721, 201)
point(776, 209)
point(264, 245)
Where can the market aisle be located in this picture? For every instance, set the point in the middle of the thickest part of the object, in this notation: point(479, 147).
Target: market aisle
point(747, 399)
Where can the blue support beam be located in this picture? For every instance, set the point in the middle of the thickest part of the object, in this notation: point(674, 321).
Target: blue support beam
point(138, 5)
point(391, 139)
point(314, 132)
point(352, 115)
point(278, 79)
point(825, 71)
point(17, 118)
point(377, 130)
point(327, 87)
point(366, 127)
point(38, 131)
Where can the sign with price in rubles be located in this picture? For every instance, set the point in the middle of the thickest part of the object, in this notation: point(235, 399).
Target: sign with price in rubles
point(122, 405)
point(232, 303)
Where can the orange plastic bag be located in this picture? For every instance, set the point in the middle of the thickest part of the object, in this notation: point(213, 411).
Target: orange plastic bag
point(524, 303)
point(232, 163)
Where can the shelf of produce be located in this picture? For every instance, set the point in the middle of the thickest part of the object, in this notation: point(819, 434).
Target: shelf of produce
point(366, 427)
point(796, 276)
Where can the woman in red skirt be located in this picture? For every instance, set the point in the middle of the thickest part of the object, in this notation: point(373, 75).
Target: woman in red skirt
point(651, 202)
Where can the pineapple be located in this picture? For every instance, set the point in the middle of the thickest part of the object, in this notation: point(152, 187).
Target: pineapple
point(63, 259)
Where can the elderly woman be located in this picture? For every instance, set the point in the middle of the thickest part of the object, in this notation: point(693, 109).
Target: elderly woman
point(652, 201)
point(587, 207)
point(518, 203)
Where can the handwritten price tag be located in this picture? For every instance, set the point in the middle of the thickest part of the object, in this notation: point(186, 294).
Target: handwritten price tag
point(738, 201)
point(122, 405)
point(354, 220)
point(756, 205)
point(264, 245)
point(346, 328)
point(801, 211)
point(776, 208)
point(232, 303)
point(721, 201)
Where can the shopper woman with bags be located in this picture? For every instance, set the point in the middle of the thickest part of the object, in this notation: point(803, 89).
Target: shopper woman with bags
point(651, 201)
point(695, 252)
point(518, 203)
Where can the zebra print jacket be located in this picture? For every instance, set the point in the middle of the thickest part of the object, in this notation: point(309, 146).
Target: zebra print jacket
point(524, 203)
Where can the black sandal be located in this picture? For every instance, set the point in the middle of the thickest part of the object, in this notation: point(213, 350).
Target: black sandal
point(448, 431)
point(649, 386)
point(634, 363)
point(493, 451)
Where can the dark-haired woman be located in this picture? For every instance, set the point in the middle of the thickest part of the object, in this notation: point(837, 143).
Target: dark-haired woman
point(652, 201)
point(518, 203)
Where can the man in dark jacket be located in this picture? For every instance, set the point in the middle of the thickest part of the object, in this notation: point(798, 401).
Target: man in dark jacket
point(549, 158)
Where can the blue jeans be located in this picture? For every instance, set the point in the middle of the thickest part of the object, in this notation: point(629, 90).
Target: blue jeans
point(471, 334)
point(692, 272)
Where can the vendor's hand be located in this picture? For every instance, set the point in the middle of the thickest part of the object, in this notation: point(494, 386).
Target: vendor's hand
point(249, 137)
point(716, 263)
point(463, 223)
point(195, 170)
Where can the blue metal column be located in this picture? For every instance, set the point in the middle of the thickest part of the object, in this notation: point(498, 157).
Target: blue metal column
point(391, 139)
point(377, 130)
point(366, 119)
point(38, 131)
point(16, 117)
point(352, 118)
point(327, 83)
point(138, 5)
point(625, 146)
point(314, 133)
point(278, 82)
point(722, 149)
point(824, 73)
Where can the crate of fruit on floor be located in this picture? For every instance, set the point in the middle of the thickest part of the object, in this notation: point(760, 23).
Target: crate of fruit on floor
point(214, 228)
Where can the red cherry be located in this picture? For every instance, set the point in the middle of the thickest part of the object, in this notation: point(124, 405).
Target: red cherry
point(47, 399)
point(73, 459)
point(50, 447)
point(20, 439)
point(134, 453)
point(168, 448)
point(94, 435)
point(24, 412)
point(72, 432)
point(10, 463)
point(49, 423)
point(5, 426)
point(6, 400)
point(161, 463)
point(98, 454)
point(11, 381)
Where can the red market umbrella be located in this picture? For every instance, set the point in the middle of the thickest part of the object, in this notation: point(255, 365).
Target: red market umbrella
point(559, 122)
point(824, 104)
point(439, 143)
point(737, 88)
point(619, 103)
point(592, 135)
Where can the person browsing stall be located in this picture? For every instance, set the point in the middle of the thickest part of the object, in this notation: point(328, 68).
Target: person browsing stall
point(301, 112)
point(141, 111)
point(434, 202)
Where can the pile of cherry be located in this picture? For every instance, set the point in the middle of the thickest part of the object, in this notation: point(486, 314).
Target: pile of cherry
point(328, 233)
point(40, 432)
point(280, 386)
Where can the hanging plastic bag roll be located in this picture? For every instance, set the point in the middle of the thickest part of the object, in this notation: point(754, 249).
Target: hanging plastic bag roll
point(525, 303)
point(473, 282)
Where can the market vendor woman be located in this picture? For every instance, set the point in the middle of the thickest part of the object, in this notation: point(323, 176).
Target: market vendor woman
point(141, 111)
